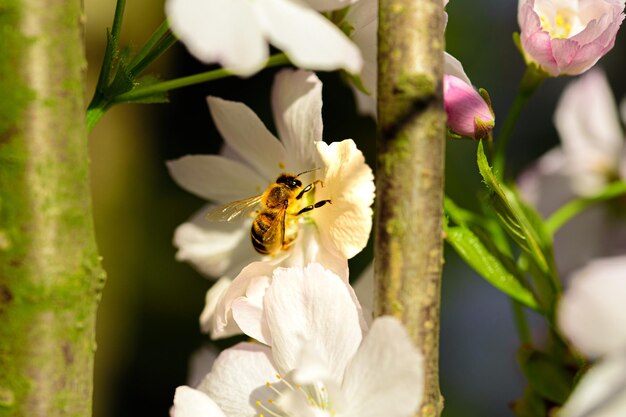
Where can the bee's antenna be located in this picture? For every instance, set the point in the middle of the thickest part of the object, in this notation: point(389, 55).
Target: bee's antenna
point(310, 170)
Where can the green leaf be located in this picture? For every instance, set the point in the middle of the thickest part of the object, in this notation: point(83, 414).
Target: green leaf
point(495, 267)
point(512, 214)
point(548, 377)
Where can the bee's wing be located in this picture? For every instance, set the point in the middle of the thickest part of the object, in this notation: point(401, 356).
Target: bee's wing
point(229, 211)
point(276, 232)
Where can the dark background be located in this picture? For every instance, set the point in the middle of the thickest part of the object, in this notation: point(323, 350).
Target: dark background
point(148, 319)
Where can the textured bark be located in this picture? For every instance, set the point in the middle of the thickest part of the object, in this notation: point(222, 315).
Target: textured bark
point(409, 176)
point(50, 274)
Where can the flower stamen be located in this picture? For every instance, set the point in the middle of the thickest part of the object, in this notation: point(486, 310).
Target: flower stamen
point(267, 410)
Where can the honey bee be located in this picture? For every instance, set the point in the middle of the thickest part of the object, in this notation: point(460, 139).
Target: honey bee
point(272, 229)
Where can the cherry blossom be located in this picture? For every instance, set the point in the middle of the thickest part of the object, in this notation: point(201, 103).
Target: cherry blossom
point(568, 36)
point(468, 113)
point(318, 364)
point(236, 33)
point(330, 234)
point(592, 315)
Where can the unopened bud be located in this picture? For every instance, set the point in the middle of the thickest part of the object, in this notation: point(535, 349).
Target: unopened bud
point(468, 113)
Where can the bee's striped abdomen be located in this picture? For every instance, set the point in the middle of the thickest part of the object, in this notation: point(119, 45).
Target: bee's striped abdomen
point(261, 224)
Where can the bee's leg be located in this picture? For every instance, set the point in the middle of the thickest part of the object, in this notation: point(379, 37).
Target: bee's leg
point(313, 206)
point(309, 188)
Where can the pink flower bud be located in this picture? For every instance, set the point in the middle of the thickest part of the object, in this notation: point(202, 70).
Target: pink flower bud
point(568, 37)
point(468, 113)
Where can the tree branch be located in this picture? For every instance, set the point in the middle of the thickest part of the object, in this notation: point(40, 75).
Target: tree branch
point(50, 273)
point(410, 173)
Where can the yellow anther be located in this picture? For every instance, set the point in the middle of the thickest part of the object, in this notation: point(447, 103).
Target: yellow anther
point(270, 401)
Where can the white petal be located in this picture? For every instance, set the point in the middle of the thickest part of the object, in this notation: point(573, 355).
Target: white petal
point(224, 31)
point(289, 24)
point(601, 392)
point(248, 311)
point(591, 312)
point(312, 367)
point(307, 249)
point(216, 178)
point(296, 404)
point(248, 276)
point(244, 132)
point(349, 184)
point(297, 108)
point(363, 13)
point(238, 379)
point(311, 304)
point(545, 183)
point(189, 402)
point(326, 5)
point(363, 17)
point(215, 248)
point(453, 66)
point(588, 124)
point(213, 296)
point(366, 104)
point(384, 378)
point(364, 38)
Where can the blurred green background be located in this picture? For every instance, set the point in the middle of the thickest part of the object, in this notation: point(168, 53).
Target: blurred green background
point(148, 318)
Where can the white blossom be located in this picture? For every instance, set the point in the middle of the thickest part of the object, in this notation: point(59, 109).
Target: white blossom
point(592, 315)
point(330, 234)
point(236, 33)
point(592, 140)
point(318, 363)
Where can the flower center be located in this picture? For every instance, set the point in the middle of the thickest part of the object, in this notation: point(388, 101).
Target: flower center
point(287, 399)
point(565, 23)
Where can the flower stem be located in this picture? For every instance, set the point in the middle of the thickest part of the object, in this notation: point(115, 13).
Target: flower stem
point(575, 207)
point(521, 323)
point(150, 43)
point(139, 93)
point(531, 80)
point(159, 49)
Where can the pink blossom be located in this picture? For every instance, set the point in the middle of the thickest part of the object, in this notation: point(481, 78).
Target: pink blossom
point(468, 113)
point(568, 37)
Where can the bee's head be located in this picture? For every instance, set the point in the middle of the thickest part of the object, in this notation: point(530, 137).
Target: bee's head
point(289, 180)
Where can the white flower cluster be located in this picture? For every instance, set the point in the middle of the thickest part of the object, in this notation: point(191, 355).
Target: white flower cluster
point(305, 206)
point(285, 213)
point(284, 217)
